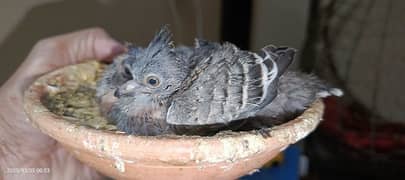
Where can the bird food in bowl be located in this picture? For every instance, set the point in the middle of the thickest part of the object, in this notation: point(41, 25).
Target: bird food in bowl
point(208, 112)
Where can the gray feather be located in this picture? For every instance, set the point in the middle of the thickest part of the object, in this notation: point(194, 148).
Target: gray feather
point(296, 92)
point(204, 89)
point(227, 85)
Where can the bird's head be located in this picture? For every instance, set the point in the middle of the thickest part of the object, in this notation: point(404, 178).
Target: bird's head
point(153, 73)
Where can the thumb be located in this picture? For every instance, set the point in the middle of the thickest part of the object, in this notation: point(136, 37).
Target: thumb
point(76, 47)
point(92, 43)
point(58, 51)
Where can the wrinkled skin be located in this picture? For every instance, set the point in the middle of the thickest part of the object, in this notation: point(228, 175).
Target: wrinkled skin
point(21, 145)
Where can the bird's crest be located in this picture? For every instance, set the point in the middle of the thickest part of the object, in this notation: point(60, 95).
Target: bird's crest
point(161, 43)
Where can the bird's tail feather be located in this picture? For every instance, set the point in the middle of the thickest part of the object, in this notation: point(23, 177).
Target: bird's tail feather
point(283, 56)
point(330, 92)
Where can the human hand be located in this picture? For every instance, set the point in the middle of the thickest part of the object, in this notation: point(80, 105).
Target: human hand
point(21, 145)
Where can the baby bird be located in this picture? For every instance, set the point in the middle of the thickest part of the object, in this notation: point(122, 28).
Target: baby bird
point(203, 89)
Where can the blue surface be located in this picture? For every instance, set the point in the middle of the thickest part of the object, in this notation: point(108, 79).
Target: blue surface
point(286, 170)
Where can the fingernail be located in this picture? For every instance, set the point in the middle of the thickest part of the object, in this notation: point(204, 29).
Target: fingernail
point(118, 48)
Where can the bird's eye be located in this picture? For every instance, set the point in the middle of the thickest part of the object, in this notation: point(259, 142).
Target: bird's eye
point(127, 73)
point(152, 81)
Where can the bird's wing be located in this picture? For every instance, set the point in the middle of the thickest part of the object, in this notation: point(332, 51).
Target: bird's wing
point(229, 84)
point(192, 55)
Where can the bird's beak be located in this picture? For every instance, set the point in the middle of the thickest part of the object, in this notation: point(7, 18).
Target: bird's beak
point(127, 89)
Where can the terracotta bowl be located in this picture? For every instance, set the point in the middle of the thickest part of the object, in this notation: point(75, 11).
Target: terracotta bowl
point(227, 155)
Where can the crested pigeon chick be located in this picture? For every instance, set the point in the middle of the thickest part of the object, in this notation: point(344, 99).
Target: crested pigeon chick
point(200, 90)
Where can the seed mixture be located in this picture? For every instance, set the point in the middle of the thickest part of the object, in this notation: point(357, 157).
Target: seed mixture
point(76, 103)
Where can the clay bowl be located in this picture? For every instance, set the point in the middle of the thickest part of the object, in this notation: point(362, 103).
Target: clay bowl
point(227, 155)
